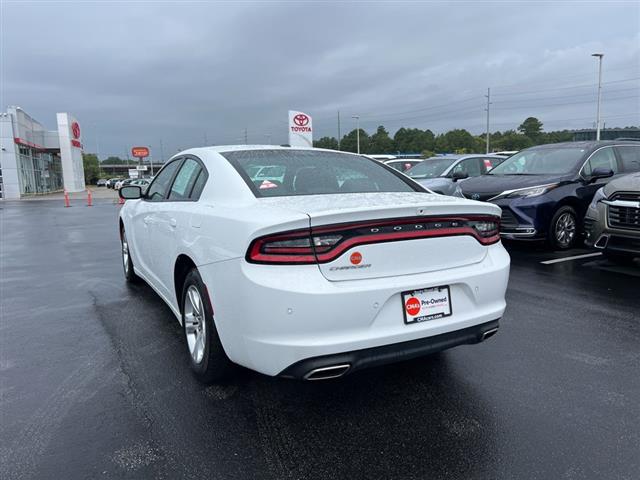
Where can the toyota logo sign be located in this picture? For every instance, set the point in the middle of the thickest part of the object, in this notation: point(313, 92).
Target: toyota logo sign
point(75, 130)
point(301, 120)
point(300, 129)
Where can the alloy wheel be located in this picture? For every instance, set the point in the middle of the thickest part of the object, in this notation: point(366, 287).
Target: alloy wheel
point(195, 326)
point(565, 229)
point(125, 253)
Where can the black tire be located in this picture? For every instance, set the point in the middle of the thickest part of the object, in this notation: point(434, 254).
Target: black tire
point(127, 264)
point(561, 236)
point(213, 365)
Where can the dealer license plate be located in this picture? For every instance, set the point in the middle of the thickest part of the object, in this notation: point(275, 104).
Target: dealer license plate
point(426, 304)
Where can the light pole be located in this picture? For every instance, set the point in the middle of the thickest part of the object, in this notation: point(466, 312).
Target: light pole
point(599, 57)
point(268, 135)
point(488, 95)
point(357, 117)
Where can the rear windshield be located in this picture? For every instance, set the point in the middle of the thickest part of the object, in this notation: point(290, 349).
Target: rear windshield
point(278, 173)
point(430, 168)
point(543, 161)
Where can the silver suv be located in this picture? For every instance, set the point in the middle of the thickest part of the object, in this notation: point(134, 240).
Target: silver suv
point(612, 222)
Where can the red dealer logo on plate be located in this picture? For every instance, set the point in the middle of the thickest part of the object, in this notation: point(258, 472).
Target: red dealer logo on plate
point(301, 120)
point(412, 306)
point(356, 258)
point(75, 129)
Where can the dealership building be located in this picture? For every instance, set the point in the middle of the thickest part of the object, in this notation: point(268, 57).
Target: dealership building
point(34, 160)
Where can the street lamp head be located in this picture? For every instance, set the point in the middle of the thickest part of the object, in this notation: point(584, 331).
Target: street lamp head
point(355, 116)
point(599, 55)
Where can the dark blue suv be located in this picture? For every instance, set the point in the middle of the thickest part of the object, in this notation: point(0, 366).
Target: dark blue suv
point(544, 191)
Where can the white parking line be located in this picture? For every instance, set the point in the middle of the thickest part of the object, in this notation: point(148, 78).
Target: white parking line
point(575, 257)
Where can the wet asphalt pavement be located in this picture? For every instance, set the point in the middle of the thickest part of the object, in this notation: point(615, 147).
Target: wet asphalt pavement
point(94, 379)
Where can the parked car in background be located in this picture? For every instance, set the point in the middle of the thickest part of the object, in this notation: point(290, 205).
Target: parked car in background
point(402, 164)
point(141, 182)
point(102, 182)
point(344, 265)
point(440, 174)
point(612, 221)
point(120, 183)
point(544, 191)
point(382, 158)
point(111, 183)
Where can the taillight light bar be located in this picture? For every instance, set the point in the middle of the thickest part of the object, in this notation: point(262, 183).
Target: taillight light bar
point(326, 243)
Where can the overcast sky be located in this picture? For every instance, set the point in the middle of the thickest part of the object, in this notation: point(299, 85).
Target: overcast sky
point(137, 73)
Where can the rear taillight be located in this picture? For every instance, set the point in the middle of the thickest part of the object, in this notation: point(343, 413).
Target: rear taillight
point(326, 243)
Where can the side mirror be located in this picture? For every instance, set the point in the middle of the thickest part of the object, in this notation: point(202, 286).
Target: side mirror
point(130, 192)
point(600, 172)
point(459, 176)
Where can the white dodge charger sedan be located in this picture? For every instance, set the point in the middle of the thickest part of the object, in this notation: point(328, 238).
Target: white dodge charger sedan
point(309, 263)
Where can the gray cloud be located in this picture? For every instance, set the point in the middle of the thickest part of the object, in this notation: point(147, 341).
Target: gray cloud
point(136, 73)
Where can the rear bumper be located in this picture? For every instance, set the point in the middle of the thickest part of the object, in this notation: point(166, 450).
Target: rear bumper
point(312, 368)
point(270, 317)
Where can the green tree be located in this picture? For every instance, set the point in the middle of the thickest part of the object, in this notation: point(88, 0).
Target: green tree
point(441, 144)
point(326, 142)
point(349, 142)
point(555, 137)
point(113, 161)
point(381, 142)
point(512, 140)
point(531, 127)
point(413, 140)
point(91, 167)
point(460, 141)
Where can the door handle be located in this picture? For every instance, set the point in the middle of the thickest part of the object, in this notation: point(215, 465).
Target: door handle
point(173, 223)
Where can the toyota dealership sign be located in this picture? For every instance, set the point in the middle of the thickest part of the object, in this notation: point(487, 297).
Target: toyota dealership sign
point(300, 129)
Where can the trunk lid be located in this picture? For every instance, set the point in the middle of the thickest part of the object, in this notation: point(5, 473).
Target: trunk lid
point(369, 225)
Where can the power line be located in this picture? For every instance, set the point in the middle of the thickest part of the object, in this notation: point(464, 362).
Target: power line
point(431, 107)
point(555, 78)
point(569, 87)
point(587, 94)
point(537, 105)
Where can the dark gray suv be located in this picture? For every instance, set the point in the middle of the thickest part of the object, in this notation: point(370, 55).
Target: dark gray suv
point(612, 222)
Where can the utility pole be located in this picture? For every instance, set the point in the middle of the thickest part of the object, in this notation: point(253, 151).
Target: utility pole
point(161, 152)
point(488, 95)
point(97, 145)
point(357, 117)
point(246, 141)
point(599, 57)
point(268, 135)
point(206, 142)
point(339, 130)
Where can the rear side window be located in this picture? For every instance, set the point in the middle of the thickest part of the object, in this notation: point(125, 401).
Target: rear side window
point(185, 179)
point(492, 162)
point(603, 158)
point(470, 166)
point(630, 156)
point(198, 186)
point(158, 189)
point(277, 173)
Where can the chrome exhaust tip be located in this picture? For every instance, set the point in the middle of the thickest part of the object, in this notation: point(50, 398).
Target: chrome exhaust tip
point(602, 242)
point(326, 373)
point(488, 334)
